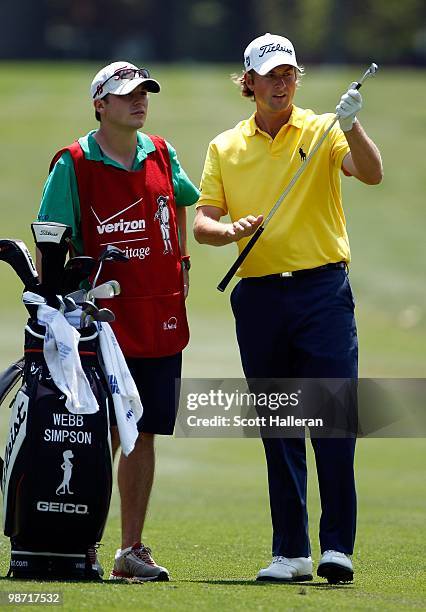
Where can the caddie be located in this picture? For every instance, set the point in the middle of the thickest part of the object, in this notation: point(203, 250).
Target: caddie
point(293, 306)
point(118, 185)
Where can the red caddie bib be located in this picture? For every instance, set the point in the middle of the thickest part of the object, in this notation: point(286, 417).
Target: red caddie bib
point(136, 211)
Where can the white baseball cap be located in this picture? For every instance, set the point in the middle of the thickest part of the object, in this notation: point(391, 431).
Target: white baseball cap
point(120, 78)
point(267, 52)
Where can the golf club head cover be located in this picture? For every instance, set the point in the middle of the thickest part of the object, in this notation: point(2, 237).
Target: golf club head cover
point(15, 253)
point(52, 240)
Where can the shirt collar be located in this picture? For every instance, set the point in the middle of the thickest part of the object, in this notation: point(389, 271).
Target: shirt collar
point(295, 119)
point(93, 152)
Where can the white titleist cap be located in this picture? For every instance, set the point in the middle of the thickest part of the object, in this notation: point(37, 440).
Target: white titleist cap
point(267, 52)
point(120, 78)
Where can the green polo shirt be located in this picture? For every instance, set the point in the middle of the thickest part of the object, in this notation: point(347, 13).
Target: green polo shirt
point(60, 201)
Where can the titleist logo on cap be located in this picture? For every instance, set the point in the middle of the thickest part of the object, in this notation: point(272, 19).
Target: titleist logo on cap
point(271, 47)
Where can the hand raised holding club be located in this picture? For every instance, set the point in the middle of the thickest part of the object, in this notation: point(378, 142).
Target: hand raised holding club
point(350, 104)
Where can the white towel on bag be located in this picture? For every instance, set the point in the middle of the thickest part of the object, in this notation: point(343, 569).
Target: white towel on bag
point(127, 403)
point(60, 351)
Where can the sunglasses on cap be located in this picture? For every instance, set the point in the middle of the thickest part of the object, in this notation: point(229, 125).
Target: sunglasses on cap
point(123, 74)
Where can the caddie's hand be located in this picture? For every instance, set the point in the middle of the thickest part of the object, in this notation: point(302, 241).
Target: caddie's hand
point(246, 226)
point(185, 282)
point(350, 104)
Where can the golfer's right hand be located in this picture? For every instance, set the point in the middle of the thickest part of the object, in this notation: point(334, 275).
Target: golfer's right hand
point(246, 226)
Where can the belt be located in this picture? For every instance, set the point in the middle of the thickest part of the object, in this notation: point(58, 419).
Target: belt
point(340, 265)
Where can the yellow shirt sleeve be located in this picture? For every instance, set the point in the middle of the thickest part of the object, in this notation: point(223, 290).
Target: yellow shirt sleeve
point(211, 187)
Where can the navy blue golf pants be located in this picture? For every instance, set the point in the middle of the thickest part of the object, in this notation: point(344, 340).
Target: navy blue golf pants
point(303, 327)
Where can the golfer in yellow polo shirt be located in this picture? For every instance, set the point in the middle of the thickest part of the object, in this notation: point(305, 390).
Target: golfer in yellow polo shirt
point(293, 306)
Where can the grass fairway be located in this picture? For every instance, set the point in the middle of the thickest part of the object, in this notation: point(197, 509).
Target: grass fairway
point(209, 519)
point(209, 523)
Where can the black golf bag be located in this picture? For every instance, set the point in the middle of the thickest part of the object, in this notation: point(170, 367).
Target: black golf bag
point(57, 473)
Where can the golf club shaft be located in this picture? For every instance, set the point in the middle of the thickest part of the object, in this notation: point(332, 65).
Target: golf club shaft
point(246, 250)
point(95, 280)
point(242, 256)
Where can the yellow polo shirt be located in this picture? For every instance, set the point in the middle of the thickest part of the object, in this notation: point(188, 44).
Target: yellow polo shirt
point(246, 171)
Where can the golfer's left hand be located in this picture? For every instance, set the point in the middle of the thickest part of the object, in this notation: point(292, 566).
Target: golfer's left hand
point(185, 282)
point(350, 104)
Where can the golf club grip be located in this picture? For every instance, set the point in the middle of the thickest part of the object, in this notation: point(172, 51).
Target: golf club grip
point(246, 250)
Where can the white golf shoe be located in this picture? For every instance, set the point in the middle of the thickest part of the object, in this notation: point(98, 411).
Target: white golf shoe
point(282, 569)
point(336, 567)
point(136, 563)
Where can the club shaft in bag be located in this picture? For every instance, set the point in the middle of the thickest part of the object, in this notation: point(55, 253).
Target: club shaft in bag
point(242, 256)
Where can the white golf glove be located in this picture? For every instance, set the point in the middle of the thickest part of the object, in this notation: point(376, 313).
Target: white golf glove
point(350, 104)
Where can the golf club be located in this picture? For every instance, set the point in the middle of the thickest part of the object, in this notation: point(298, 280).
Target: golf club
point(76, 270)
point(61, 303)
point(78, 296)
point(255, 237)
point(116, 286)
point(70, 304)
point(16, 254)
point(105, 315)
point(110, 253)
point(52, 240)
point(108, 289)
point(88, 309)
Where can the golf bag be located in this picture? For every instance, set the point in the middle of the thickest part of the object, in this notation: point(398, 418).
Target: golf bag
point(57, 473)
